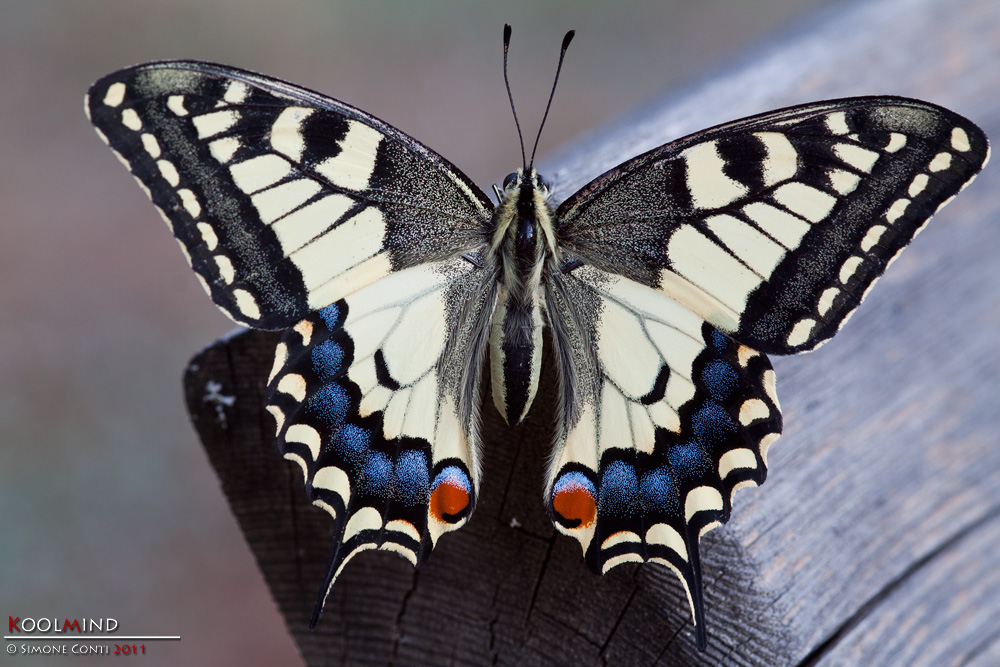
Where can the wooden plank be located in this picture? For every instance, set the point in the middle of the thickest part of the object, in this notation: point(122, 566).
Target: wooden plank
point(872, 541)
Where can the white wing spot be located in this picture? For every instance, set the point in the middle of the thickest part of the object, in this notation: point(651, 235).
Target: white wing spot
point(279, 421)
point(247, 304)
point(305, 329)
point(620, 537)
point(208, 235)
point(842, 181)
point(765, 445)
point(286, 133)
point(151, 145)
point(849, 267)
point(897, 209)
point(800, 332)
point(826, 300)
point(333, 479)
point(236, 92)
point(176, 104)
point(304, 434)
point(940, 162)
point(735, 459)
point(752, 410)
point(294, 385)
point(701, 498)
point(708, 185)
point(190, 202)
point(353, 166)
point(872, 237)
point(661, 533)
point(836, 122)
point(347, 244)
point(280, 359)
point(131, 120)
point(366, 518)
point(918, 184)
point(856, 156)
point(896, 141)
point(169, 172)
point(224, 149)
point(782, 161)
point(226, 269)
point(215, 123)
point(115, 94)
point(805, 200)
point(960, 140)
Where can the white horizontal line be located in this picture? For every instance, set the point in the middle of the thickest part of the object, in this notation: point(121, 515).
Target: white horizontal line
point(108, 637)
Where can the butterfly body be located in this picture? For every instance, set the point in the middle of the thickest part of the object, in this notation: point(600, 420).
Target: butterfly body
point(524, 245)
point(663, 284)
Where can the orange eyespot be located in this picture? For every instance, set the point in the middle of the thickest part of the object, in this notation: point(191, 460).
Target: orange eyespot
point(451, 495)
point(573, 500)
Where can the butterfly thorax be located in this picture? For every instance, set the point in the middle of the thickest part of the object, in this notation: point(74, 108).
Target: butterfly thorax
point(522, 243)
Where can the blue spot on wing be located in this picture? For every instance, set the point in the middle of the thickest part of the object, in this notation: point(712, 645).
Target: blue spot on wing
point(720, 379)
point(658, 490)
point(327, 359)
point(330, 404)
point(619, 489)
point(330, 316)
point(717, 340)
point(712, 426)
point(411, 481)
point(375, 476)
point(687, 460)
point(351, 443)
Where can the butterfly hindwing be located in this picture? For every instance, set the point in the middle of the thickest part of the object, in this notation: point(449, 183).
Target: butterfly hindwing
point(664, 417)
point(375, 398)
point(774, 227)
point(283, 200)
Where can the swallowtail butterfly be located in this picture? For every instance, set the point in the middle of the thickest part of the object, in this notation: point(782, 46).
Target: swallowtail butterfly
point(664, 283)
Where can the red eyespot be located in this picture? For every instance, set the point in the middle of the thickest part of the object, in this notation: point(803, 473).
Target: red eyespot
point(451, 495)
point(573, 500)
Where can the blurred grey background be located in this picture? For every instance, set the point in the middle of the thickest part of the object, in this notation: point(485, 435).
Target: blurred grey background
point(109, 507)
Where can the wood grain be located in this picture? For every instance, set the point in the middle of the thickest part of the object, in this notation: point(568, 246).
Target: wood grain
point(876, 539)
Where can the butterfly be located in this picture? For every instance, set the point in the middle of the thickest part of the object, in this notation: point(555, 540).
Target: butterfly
point(663, 283)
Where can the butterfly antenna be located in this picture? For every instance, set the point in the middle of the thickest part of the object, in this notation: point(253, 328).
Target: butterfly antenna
point(562, 54)
point(506, 47)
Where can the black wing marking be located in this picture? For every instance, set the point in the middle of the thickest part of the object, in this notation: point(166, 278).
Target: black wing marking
point(283, 200)
point(774, 227)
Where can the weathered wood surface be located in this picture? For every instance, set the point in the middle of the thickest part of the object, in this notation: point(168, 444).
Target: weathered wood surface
point(876, 539)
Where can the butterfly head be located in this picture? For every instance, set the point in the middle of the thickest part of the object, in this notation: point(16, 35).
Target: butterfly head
point(524, 183)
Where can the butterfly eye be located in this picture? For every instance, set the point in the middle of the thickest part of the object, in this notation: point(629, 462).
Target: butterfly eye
point(544, 183)
point(509, 179)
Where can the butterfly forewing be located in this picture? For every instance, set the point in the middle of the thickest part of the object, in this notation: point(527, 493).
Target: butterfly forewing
point(283, 200)
point(774, 227)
